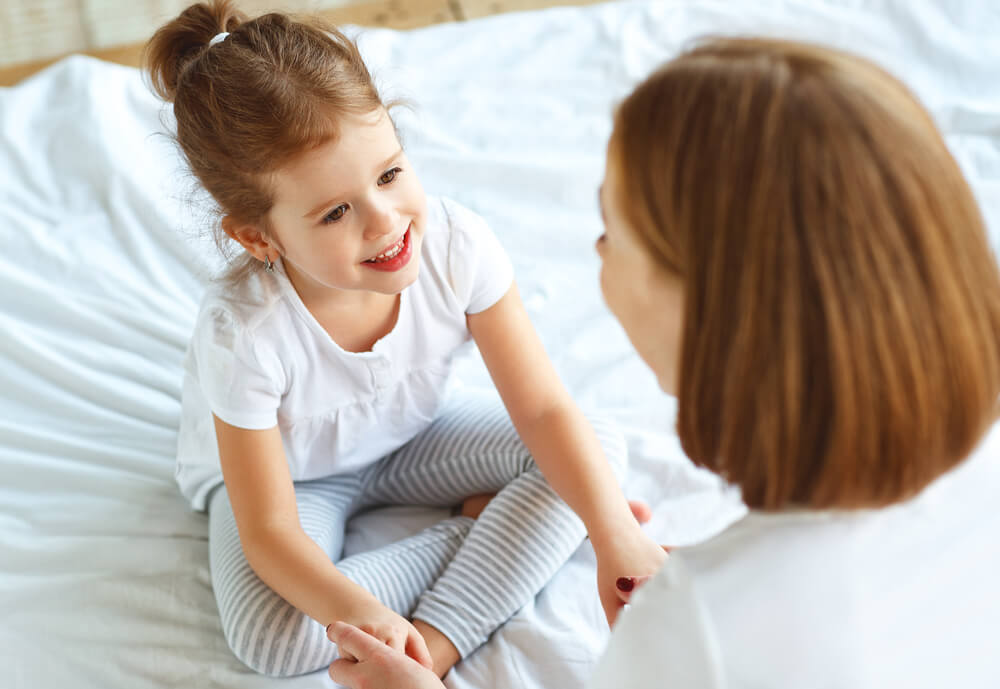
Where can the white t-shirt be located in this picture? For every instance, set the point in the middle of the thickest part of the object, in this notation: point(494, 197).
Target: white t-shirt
point(258, 358)
point(905, 597)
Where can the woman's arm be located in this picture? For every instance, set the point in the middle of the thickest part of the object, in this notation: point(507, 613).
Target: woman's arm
point(562, 442)
point(262, 494)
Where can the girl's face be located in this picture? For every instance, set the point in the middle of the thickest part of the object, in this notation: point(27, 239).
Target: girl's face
point(350, 214)
point(645, 298)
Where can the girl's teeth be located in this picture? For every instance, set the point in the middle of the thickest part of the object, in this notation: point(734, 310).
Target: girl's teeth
point(391, 253)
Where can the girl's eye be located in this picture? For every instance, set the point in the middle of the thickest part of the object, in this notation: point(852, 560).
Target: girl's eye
point(389, 175)
point(336, 214)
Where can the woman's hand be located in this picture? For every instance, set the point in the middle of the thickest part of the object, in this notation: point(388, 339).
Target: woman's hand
point(367, 663)
point(630, 555)
point(391, 630)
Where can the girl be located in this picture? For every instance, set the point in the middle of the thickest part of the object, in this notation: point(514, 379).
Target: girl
point(794, 252)
point(316, 376)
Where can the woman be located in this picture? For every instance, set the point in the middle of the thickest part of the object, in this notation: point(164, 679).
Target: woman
point(794, 252)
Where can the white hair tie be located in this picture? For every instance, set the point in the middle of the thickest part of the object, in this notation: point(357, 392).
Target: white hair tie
point(218, 38)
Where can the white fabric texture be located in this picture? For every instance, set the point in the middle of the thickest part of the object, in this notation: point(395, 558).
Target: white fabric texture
point(258, 358)
point(899, 597)
point(103, 565)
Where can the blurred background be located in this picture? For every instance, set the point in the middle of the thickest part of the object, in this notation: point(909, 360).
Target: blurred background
point(35, 33)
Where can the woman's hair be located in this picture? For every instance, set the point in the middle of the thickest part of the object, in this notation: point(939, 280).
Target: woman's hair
point(841, 301)
point(274, 88)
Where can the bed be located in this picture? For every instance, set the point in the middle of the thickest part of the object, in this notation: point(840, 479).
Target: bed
point(104, 577)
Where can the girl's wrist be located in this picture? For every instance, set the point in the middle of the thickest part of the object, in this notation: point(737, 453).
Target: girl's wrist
point(607, 531)
point(353, 603)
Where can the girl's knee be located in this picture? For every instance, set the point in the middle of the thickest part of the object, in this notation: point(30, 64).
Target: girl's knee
point(260, 651)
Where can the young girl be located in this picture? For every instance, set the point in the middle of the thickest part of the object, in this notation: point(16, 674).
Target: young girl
point(315, 380)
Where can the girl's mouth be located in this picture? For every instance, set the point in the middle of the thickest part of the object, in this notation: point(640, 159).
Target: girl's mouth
point(394, 257)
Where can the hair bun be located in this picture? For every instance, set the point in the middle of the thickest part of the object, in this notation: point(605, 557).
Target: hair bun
point(178, 43)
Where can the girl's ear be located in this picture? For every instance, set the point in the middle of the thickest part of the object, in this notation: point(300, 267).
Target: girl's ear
point(250, 238)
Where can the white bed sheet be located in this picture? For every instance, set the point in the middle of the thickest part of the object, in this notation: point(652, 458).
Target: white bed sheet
point(103, 569)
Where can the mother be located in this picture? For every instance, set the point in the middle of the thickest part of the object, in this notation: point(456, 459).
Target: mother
point(794, 252)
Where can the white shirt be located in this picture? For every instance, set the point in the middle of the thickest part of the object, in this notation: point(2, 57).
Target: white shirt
point(258, 358)
point(904, 597)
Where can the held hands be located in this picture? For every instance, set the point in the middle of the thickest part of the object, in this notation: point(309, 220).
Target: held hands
point(389, 629)
point(367, 663)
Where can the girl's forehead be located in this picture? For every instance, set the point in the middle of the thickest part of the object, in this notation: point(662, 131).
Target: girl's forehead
point(363, 145)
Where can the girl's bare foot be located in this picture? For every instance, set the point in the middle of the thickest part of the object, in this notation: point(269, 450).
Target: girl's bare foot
point(443, 651)
point(640, 510)
point(473, 506)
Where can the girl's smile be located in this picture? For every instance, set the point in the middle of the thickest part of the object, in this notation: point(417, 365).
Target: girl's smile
point(394, 257)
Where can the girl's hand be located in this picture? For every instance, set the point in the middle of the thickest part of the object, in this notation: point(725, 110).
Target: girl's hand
point(366, 662)
point(391, 630)
point(631, 555)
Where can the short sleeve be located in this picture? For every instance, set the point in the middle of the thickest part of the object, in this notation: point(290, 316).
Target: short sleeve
point(479, 269)
point(231, 372)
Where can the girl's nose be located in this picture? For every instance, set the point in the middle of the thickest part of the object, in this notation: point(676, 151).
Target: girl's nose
point(381, 221)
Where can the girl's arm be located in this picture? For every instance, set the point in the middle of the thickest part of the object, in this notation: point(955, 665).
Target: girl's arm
point(262, 495)
point(562, 443)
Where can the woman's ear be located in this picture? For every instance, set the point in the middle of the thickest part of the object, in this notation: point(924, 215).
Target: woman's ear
point(251, 238)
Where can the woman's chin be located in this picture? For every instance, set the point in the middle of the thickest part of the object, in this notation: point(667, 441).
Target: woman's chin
point(664, 377)
point(666, 380)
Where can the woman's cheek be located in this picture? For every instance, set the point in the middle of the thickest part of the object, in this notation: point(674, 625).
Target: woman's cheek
point(611, 290)
point(603, 280)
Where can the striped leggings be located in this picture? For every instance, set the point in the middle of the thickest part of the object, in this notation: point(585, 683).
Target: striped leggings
point(465, 577)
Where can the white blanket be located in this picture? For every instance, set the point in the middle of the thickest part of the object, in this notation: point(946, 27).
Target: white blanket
point(104, 576)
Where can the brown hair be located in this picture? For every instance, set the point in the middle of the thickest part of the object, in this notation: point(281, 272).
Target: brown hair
point(841, 300)
point(274, 88)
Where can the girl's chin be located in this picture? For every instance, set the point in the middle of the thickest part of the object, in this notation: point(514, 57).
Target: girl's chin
point(394, 283)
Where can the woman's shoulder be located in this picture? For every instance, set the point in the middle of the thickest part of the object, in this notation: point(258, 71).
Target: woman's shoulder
point(664, 638)
point(824, 541)
point(718, 612)
point(823, 591)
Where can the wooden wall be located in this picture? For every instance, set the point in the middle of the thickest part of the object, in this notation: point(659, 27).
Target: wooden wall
point(35, 33)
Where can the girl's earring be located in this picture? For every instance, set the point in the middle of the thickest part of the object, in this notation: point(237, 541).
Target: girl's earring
point(268, 266)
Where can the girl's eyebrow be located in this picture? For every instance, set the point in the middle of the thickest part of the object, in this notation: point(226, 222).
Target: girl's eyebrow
point(326, 204)
point(385, 163)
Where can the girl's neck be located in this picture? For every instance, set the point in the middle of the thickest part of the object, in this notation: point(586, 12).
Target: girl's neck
point(358, 328)
point(354, 319)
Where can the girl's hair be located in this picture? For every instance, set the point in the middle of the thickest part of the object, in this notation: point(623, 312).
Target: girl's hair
point(841, 301)
point(274, 88)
